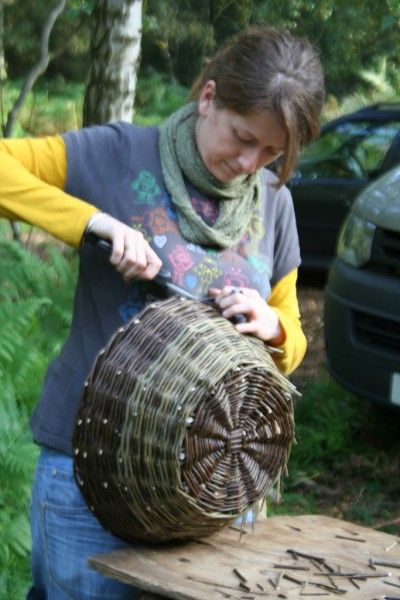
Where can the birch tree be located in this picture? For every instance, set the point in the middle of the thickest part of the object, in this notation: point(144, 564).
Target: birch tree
point(2, 60)
point(114, 60)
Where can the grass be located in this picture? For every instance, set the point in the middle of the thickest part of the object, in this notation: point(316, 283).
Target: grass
point(346, 461)
point(156, 99)
point(54, 106)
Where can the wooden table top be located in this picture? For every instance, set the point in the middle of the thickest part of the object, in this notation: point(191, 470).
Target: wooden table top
point(304, 557)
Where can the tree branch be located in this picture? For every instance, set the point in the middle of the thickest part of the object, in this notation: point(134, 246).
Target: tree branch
point(37, 70)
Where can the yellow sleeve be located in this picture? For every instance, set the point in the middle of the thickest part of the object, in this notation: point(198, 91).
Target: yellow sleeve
point(32, 176)
point(283, 300)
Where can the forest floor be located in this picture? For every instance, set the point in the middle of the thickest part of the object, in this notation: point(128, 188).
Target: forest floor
point(346, 463)
point(310, 294)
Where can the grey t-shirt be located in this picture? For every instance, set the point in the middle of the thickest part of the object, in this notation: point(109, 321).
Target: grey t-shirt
point(117, 168)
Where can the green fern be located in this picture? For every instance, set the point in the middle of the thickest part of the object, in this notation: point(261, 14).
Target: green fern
point(35, 307)
point(19, 318)
point(17, 458)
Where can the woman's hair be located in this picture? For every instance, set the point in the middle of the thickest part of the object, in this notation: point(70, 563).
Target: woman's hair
point(266, 69)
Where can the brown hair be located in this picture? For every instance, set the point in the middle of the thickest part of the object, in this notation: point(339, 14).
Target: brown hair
point(265, 69)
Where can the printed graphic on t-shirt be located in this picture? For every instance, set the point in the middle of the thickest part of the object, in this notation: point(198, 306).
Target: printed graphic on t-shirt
point(146, 187)
point(181, 262)
point(197, 249)
point(258, 263)
point(140, 227)
point(236, 278)
point(156, 221)
point(207, 209)
point(167, 204)
point(207, 271)
point(193, 267)
point(132, 305)
point(256, 232)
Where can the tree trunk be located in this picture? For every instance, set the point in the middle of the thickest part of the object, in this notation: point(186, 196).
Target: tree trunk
point(115, 54)
point(3, 73)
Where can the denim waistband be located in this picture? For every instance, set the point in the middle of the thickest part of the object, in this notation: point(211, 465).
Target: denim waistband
point(50, 457)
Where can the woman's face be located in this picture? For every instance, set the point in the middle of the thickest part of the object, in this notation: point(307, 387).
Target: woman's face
point(232, 144)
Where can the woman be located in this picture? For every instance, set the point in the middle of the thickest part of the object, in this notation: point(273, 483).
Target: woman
point(194, 196)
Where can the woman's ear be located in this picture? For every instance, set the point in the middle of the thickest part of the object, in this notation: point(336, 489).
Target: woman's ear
point(206, 97)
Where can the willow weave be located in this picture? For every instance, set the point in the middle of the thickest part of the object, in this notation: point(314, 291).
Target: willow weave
point(183, 425)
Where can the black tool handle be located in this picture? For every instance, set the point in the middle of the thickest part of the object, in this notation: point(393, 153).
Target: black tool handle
point(105, 246)
point(94, 240)
point(163, 276)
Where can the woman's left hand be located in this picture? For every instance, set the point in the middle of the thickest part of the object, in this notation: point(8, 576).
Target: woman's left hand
point(261, 320)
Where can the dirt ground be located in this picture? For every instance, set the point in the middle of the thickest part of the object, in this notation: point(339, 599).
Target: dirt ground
point(310, 294)
point(364, 487)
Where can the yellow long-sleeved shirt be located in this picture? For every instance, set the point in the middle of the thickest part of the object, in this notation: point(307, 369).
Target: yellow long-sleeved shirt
point(33, 174)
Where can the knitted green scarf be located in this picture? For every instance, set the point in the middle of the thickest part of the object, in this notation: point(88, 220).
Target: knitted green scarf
point(180, 158)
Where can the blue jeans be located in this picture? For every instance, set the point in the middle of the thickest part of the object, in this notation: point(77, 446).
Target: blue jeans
point(64, 535)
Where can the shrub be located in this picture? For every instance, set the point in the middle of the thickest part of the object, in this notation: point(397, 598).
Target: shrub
point(35, 301)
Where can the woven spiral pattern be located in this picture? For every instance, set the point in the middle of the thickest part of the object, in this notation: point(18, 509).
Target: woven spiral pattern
point(183, 425)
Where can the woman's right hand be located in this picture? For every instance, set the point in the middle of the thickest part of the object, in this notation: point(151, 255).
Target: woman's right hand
point(131, 254)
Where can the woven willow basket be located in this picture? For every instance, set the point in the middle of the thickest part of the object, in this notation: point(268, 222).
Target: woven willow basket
point(183, 425)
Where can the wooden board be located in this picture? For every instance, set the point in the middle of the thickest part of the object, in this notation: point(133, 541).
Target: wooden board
point(258, 565)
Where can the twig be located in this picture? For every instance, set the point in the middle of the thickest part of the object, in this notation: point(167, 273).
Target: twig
point(237, 529)
point(304, 555)
point(384, 563)
point(351, 575)
point(391, 583)
point(335, 589)
point(292, 579)
point(260, 587)
point(389, 548)
point(37, 69)
point(350, 539)
point(317, 565)
point(239, 575)
point(330, 571)
point(292, 567)
point(275, 584)
point(314, 594)
point(244, 587)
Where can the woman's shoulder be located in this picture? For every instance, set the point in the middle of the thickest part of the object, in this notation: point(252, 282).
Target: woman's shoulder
point(116, 141)
point(114, 130)
point(128, 131)
point(147, 131)
point(269, 177)
point(274, 191)
point(279, 213)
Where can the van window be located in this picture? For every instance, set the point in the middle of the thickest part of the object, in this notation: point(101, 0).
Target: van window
point(351, 150)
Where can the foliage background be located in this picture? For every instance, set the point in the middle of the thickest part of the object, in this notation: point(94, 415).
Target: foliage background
point(179, 35)
point(35, 307)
